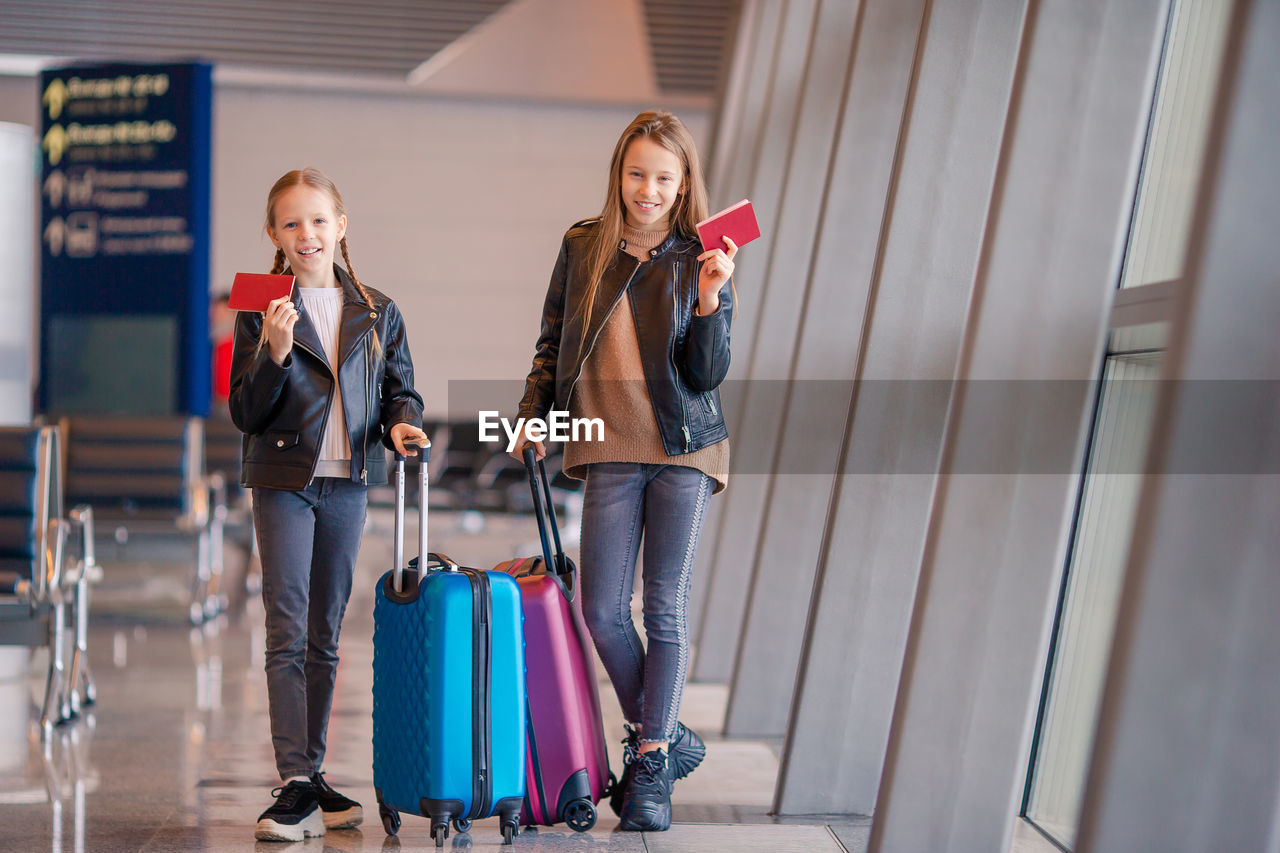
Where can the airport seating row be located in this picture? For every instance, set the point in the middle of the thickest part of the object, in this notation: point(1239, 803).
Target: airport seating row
point(179, 477)
point(46, 568)
point(148, 476)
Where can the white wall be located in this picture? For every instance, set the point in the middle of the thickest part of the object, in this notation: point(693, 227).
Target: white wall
point(455, 206)
point(17, 251)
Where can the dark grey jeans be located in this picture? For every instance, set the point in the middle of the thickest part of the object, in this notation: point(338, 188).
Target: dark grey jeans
point(308, 541)
point(665, 504)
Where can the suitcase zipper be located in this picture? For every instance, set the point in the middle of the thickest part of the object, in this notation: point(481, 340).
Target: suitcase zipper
point(541, 814)
point(481, 598)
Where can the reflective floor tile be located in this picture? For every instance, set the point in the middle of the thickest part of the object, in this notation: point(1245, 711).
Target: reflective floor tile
point(701, 838)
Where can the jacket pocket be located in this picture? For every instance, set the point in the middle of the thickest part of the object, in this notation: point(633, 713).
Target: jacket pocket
point(280, 439)
point(709, 404)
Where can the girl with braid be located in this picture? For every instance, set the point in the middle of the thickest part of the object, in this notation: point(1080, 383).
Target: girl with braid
point(635, 332)
point(320, 384)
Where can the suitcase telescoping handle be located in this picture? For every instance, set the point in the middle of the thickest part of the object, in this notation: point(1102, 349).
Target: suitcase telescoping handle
point(398, 548)
point(545, 510)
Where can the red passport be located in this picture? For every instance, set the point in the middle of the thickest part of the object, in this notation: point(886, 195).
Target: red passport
point(737, 222)
point(253, 291)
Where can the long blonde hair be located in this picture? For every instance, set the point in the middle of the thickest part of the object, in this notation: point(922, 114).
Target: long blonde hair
point(691, 204)
point(315, 179)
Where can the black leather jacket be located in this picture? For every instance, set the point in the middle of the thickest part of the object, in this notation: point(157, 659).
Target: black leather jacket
point(685, 357)
point(282, 409)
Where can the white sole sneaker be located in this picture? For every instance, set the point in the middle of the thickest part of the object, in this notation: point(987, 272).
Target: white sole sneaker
point(348, 819)
point(310, 826)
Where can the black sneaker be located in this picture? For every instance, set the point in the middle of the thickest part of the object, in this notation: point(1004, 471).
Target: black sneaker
point(687, 752)
point(630, 750)
point(339, 812)
point(295, 815)
point(646, 804)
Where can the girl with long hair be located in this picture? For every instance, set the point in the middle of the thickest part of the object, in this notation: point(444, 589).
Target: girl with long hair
point(635, 332)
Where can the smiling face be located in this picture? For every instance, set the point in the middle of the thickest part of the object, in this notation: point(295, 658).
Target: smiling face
point(651, 184)
point(306, 225)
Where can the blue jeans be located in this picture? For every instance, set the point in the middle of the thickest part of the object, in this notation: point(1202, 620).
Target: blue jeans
point(308, 541)
point(666, 504)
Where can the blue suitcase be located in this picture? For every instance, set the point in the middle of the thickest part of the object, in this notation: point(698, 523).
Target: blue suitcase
point(449, 707)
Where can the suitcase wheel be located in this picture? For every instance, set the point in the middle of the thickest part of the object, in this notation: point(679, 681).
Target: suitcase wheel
point(439, 831)
point(580, 815)
point(508, 832)
point(461, 825)
point(390, 819)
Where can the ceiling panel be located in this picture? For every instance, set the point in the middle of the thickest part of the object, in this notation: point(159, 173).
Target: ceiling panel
point(381, 37)
point(689, 42)
point(371, 39)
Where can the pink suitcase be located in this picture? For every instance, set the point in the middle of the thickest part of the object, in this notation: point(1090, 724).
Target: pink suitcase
point(566, 763)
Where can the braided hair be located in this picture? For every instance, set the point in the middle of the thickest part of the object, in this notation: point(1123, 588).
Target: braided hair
point(317, 180)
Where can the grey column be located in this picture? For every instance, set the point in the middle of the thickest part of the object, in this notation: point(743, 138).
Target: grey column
point(764, 432)
point(1187, 755)
point(755, 355)
point(927, 257)
point(740, 129)
point(956, 760)
point(18, 284)
point(736, 131)
point(860, 73)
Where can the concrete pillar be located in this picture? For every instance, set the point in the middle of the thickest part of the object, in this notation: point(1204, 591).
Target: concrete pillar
point(1001, 510)
point(1187, 755)
point(860, 72)
point(775, 392)
point(739, 129)
point(18, 178)
point(955, 81)
point(754, 356)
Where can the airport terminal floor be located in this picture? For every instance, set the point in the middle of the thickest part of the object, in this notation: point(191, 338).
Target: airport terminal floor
point(176, 753)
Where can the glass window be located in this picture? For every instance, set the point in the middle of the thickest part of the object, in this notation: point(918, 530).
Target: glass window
point(1153, 267)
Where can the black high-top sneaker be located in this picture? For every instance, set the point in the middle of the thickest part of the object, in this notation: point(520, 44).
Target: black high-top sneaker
point(630, 749)
point(687, 752)
point(646, 804)
point(294, 816)
point(339, 812)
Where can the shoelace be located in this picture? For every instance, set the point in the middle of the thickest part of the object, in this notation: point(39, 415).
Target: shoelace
point(649, 769)
point(630, 745)
point(288, 794)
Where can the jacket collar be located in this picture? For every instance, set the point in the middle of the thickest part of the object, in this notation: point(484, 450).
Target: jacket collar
point(672, 241)
point(358, 317)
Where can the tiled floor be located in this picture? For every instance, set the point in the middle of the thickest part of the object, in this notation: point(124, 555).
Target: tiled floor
point(177, 756)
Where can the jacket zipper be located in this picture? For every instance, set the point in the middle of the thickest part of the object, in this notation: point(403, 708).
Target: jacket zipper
point(675, 324)
point(311, 474)
point(368, 372)
point(621, 293)
point(328, 403)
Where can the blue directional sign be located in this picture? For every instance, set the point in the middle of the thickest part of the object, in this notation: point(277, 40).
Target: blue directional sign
point(125, 238)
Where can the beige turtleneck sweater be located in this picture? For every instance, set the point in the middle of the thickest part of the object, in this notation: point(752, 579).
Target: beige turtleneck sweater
point(612, 387)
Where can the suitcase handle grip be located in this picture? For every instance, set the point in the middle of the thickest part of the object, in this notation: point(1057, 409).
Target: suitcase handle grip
point(415, 443)
point(443, 560)
point(397, 551)
point(545, 512)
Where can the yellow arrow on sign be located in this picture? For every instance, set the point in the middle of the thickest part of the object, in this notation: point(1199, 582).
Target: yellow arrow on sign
point(55, 142)
point(54, 97)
